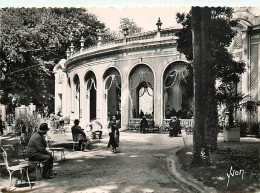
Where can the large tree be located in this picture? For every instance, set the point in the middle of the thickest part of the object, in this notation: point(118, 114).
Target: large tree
point(33, 40)
point(221, 30)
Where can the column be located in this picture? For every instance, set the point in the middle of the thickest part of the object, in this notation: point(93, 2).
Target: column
point(73, 92)
point(100, 96)
point(124, 99)
point(83, 103)
point(258, 100)
point(158, 98)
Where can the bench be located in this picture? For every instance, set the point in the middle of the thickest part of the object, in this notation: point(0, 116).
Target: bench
point(134, 124)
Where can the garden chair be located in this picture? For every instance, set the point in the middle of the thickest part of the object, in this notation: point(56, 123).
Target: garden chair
point(25, 160)
point(76, 138)
point(55, 149)
point(18, 167)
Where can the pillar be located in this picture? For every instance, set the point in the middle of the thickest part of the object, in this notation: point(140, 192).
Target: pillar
point(158, 99)
point(125, 98)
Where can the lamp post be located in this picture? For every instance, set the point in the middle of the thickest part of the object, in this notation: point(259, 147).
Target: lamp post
point(99, 35)
point(159, 24)
point(125, 30)
point(125, 33)
point(82, 44)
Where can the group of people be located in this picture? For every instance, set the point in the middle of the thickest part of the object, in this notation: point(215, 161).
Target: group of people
point(37, 145)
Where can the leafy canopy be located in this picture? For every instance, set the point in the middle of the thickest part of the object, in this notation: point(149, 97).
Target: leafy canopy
point(221, 32)
point(32, 41)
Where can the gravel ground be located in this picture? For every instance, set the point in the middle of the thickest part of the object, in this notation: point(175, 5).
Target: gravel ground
point(139, 166)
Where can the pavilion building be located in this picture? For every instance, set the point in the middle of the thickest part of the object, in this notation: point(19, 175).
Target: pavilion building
point(144, 74)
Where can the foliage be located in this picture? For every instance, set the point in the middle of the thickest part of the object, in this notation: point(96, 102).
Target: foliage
point(188, 83)
point(244, 129)
point(247, 129)
point(254, 129)
point(25, 126)
point(221, 32)
point(33, 40)
point(250, 105)
point(130, 24)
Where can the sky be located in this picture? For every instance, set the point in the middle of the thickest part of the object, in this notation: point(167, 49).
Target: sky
point(144, 12)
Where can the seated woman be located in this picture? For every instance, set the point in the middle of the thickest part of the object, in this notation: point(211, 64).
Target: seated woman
point(76, 131)
point(174, 126)
point(143, 125)
point(96, 127)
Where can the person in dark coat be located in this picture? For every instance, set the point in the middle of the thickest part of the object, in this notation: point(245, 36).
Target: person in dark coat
point(1, 126)
point(141, 113)
point(36, 150)
point(76, 131)
point(174, 126)
point(143, 125)
point(113, 134)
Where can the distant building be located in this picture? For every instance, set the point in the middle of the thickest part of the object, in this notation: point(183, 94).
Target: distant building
point(145, 72)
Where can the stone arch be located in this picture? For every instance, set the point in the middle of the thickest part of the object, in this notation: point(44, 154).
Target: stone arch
point(141, 85)
point(91, 87)
point(76, 96)
point(112, 86)
point(174, 99)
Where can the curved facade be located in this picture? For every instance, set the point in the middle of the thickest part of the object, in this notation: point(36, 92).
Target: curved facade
point(112, 79)
point(141, 74)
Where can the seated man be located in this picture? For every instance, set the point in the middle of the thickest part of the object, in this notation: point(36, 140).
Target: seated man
point(36, 150)
point(76, 131)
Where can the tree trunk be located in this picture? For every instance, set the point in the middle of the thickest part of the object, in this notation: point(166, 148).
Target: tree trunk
point(198, 134)
point(209, 90)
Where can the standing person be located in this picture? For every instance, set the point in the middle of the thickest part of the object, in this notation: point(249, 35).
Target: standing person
point(143, 125)
point(168, 114)
point(141, 113)
point(36, 150)
point(113, 134)
point(76, 130)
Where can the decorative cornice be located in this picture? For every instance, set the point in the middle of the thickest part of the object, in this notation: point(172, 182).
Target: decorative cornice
point(135, 42)
point(114, 51)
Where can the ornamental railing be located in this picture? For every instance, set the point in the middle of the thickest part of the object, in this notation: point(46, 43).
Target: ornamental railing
point(184, 122)
point(134, 123)
point(145, 37)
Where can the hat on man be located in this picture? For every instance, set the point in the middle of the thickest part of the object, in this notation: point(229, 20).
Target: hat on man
point(43, 128)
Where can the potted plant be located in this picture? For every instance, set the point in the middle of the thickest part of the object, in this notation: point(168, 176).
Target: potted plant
point(227, 95)
point(231, 133)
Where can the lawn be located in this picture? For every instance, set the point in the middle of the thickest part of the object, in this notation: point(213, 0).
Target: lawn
point(240, 160)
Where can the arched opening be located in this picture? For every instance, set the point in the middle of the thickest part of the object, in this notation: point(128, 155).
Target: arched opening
point(91, 83)
point(77, 96)
point(176, 102)
point(112, 81)
point(141, 83)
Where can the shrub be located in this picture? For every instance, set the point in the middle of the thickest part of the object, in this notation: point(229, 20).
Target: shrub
point(244, 130)
point(254, 129)
point(25, 126)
